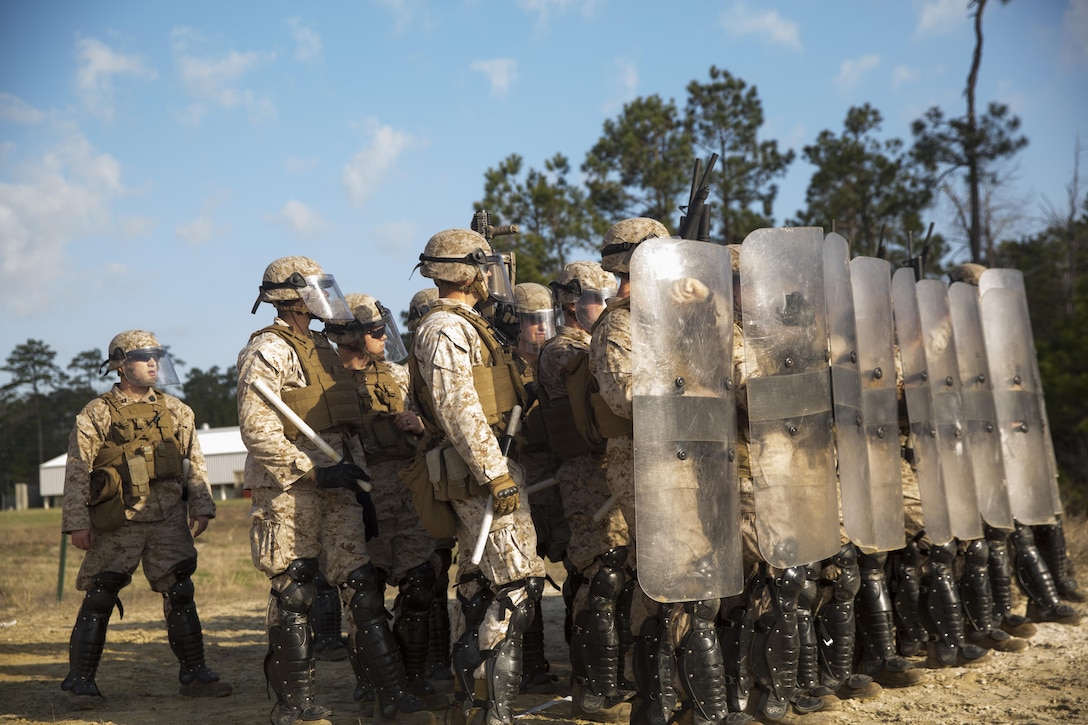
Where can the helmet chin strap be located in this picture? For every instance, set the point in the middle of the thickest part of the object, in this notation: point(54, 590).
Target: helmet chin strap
point(479, 287)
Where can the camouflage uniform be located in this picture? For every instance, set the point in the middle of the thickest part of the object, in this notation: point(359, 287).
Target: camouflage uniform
point(153, 529)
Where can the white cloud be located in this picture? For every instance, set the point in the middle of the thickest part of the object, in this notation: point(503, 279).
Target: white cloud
point(135, 227)
point(902, 75)
point(98, 64)
point(851, 71)
point(45, 206)
point(15, 109)
point(624, 82)
point(545, 10)
point(300, 220)
point(217, 79)
point(500, 72)
point(368, 167)
point(299, 165)
point(196, 232)
point(740, 20)
point(405, 12)
point(396, 237)
point(940, 17)
point(1074, 49)
point(307, 41)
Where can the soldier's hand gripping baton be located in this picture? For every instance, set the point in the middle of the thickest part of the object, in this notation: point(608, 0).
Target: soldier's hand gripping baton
point(281, 407)
point(489, 509)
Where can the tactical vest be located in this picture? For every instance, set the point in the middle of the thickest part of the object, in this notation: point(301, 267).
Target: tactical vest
point(141, 446)
point(557, 418)
point(534, 439)
point(497, 379)
point(330, 399)
point(381, 397)
point(592, 415)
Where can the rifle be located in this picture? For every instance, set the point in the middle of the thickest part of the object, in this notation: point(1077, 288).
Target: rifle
point(695, 224)
point(481, 224)
point(918, 264)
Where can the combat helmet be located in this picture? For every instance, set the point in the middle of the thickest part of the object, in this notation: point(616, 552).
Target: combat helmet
point(140, 346)
point(621, 239)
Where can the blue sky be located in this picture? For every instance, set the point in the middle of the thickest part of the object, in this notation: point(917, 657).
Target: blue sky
point(155, 157)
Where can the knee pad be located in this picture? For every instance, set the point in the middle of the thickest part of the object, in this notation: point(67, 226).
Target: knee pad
point(417, 589)
point(474, 607)
point(298, 596)
point(368, 601)
point(521, 614)
point(101, 597)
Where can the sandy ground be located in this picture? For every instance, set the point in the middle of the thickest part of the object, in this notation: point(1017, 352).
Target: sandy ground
point(1047, 683)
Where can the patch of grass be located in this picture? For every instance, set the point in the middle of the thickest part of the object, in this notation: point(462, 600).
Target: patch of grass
point(31, 542)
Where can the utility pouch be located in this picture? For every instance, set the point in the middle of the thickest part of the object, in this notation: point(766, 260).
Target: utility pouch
point(107, 505)
point(437, 516)
point(138, 476)
point(167, 457)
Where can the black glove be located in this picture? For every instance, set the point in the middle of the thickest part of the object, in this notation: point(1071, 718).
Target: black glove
point(341, 475)
point(370, 514)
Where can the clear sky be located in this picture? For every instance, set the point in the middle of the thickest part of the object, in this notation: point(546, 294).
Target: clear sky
point(155, 157)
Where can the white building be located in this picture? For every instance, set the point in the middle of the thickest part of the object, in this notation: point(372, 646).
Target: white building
point(223, 452)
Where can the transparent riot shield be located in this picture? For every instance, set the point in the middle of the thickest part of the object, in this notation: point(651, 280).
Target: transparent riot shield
point(871, 286)
point(1006, 328)
point(685, 424)
point(944, 375)
point(789, 395)
point(980, 415)
point(920, 414)
point(1013, 279)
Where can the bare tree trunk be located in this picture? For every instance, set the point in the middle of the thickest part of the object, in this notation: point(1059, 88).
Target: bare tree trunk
point(971, 137)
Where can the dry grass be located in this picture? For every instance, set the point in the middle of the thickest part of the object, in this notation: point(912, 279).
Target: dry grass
point(31, 542)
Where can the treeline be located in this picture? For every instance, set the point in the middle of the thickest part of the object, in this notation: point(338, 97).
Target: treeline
point(874, 191)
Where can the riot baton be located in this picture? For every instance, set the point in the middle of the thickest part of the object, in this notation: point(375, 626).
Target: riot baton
point(604, 509)
point(541, 485)
point(275, 401)
point(489, 509)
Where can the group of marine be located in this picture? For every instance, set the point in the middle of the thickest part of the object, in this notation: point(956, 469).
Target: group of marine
point(766, 493)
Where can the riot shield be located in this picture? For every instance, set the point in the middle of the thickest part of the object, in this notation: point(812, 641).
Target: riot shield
point(980, 415)
point(1006, 328)
point(1014, 279)
point(871, 286)
point(944, 376)
point(685, 425)
point(916, 390)
point(789, 395)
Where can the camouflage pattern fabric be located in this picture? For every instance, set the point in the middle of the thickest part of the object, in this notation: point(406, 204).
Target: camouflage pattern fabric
point(447, 347)
point(162, 538)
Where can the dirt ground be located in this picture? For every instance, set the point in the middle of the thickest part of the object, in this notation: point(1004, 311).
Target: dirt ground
point(1047, 683)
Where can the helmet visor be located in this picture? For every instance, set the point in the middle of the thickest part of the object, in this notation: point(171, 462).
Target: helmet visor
point(388, 333)
point(590, 304)
point(149, 367)
point(537, 327)
point(323, 298)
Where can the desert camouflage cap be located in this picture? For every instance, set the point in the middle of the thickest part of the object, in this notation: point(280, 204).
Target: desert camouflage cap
point(457, 244)
point(364, 308)
point(279, 271)
point(420, 304)
point(621, 239)
point(125, 342)
point(533, 297)
point(579, 276)
point(968, 272)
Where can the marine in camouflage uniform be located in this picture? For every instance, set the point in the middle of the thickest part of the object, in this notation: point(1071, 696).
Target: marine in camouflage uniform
point(135, 440)
point(536, 315)
point(308, 512)
point(403, 551)
point(452, 344)
point(596, 551)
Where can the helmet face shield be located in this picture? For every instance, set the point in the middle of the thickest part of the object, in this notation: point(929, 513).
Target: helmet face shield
point(495, 277)
point(149, 367)
point(537, 327)
point(590, 304)
point(322, 297)
point(393, 343)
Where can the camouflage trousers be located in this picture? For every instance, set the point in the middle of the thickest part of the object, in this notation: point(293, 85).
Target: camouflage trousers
point(156, 545)
point(305, 522)
point(583, 490)
point(509, 555)
point(402, 542)
point(552, 530)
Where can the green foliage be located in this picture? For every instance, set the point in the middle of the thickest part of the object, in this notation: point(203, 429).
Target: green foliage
point(640, 165)
point(213, 396)
point(724, 117)
point(868, 190)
